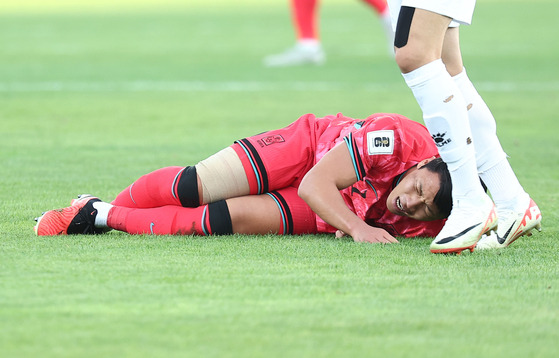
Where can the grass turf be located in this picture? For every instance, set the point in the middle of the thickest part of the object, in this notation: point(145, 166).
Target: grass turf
point(92, 97)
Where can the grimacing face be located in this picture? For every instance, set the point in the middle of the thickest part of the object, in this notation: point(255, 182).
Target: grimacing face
point(414, 195)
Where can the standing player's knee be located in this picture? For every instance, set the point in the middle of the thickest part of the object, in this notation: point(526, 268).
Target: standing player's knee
point(408, 59)
point(412, 51)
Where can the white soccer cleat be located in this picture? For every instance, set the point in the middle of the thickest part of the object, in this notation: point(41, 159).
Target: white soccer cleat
point(512, 225)
point(468, 221)
point(296, 56)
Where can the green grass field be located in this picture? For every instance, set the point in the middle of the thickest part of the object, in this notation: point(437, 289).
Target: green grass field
point(94, 94)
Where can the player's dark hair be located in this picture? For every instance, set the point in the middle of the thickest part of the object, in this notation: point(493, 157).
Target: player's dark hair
point(443, 199)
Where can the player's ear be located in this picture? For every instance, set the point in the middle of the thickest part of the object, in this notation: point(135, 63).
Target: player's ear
point(424, 161)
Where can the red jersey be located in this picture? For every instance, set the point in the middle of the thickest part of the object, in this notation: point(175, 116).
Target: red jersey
point(382, 147)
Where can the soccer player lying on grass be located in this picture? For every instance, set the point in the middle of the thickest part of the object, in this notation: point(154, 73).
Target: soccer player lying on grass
point(372, 179)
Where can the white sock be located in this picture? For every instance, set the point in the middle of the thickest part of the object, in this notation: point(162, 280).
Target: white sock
point(505, 189)
point(493, 166)
point(309, 44)
point(446, 118)
point(102, 213)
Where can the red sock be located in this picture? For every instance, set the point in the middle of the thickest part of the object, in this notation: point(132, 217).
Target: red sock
point(379, 5)
point(304, 18)
point(158, 188)
point(165, 220)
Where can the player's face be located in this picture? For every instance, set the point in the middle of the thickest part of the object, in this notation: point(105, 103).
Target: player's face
point(413, 196)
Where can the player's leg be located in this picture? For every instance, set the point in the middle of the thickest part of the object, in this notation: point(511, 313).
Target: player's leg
point(290, 216)
point(517, 213)
point(305, 19)
point(419, 42)
point(307, 49)
point(220, 176)
point(162, 187)
point(280, 212)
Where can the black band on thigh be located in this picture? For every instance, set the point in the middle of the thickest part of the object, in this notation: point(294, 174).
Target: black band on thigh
point(187, 188)
point(219, 218)
point(403, 27)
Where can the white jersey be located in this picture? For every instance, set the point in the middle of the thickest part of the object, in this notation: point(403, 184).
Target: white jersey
point(460, 11)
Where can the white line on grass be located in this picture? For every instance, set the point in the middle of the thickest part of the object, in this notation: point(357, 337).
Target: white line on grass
point(246, 86)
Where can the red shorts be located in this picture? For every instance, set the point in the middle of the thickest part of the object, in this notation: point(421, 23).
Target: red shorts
point(280, 158)
point(297, 217)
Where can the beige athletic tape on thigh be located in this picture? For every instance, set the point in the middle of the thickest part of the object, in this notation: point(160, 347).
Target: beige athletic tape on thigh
point(222, 176)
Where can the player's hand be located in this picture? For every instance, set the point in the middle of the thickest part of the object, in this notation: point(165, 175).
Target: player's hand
point(371, 235)
point(340, 234)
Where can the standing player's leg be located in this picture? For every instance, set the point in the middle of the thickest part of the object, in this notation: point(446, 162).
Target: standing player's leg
point(307, 49)
point(517, 213)
point(419, 42)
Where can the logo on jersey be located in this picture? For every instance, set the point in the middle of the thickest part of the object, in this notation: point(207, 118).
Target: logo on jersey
point(362, 194)
point(272, 139)
point(440, 139)
point(380, 142)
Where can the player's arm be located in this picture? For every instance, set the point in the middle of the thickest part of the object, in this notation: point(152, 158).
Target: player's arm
point(320, 188)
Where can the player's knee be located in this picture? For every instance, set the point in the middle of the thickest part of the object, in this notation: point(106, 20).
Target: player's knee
point(408, 59)
point(187, 188)
point(219, 218)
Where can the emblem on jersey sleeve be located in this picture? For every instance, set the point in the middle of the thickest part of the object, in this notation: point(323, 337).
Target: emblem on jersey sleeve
point(380, 142)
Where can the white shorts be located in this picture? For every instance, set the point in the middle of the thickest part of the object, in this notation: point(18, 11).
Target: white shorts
point(460, 11)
